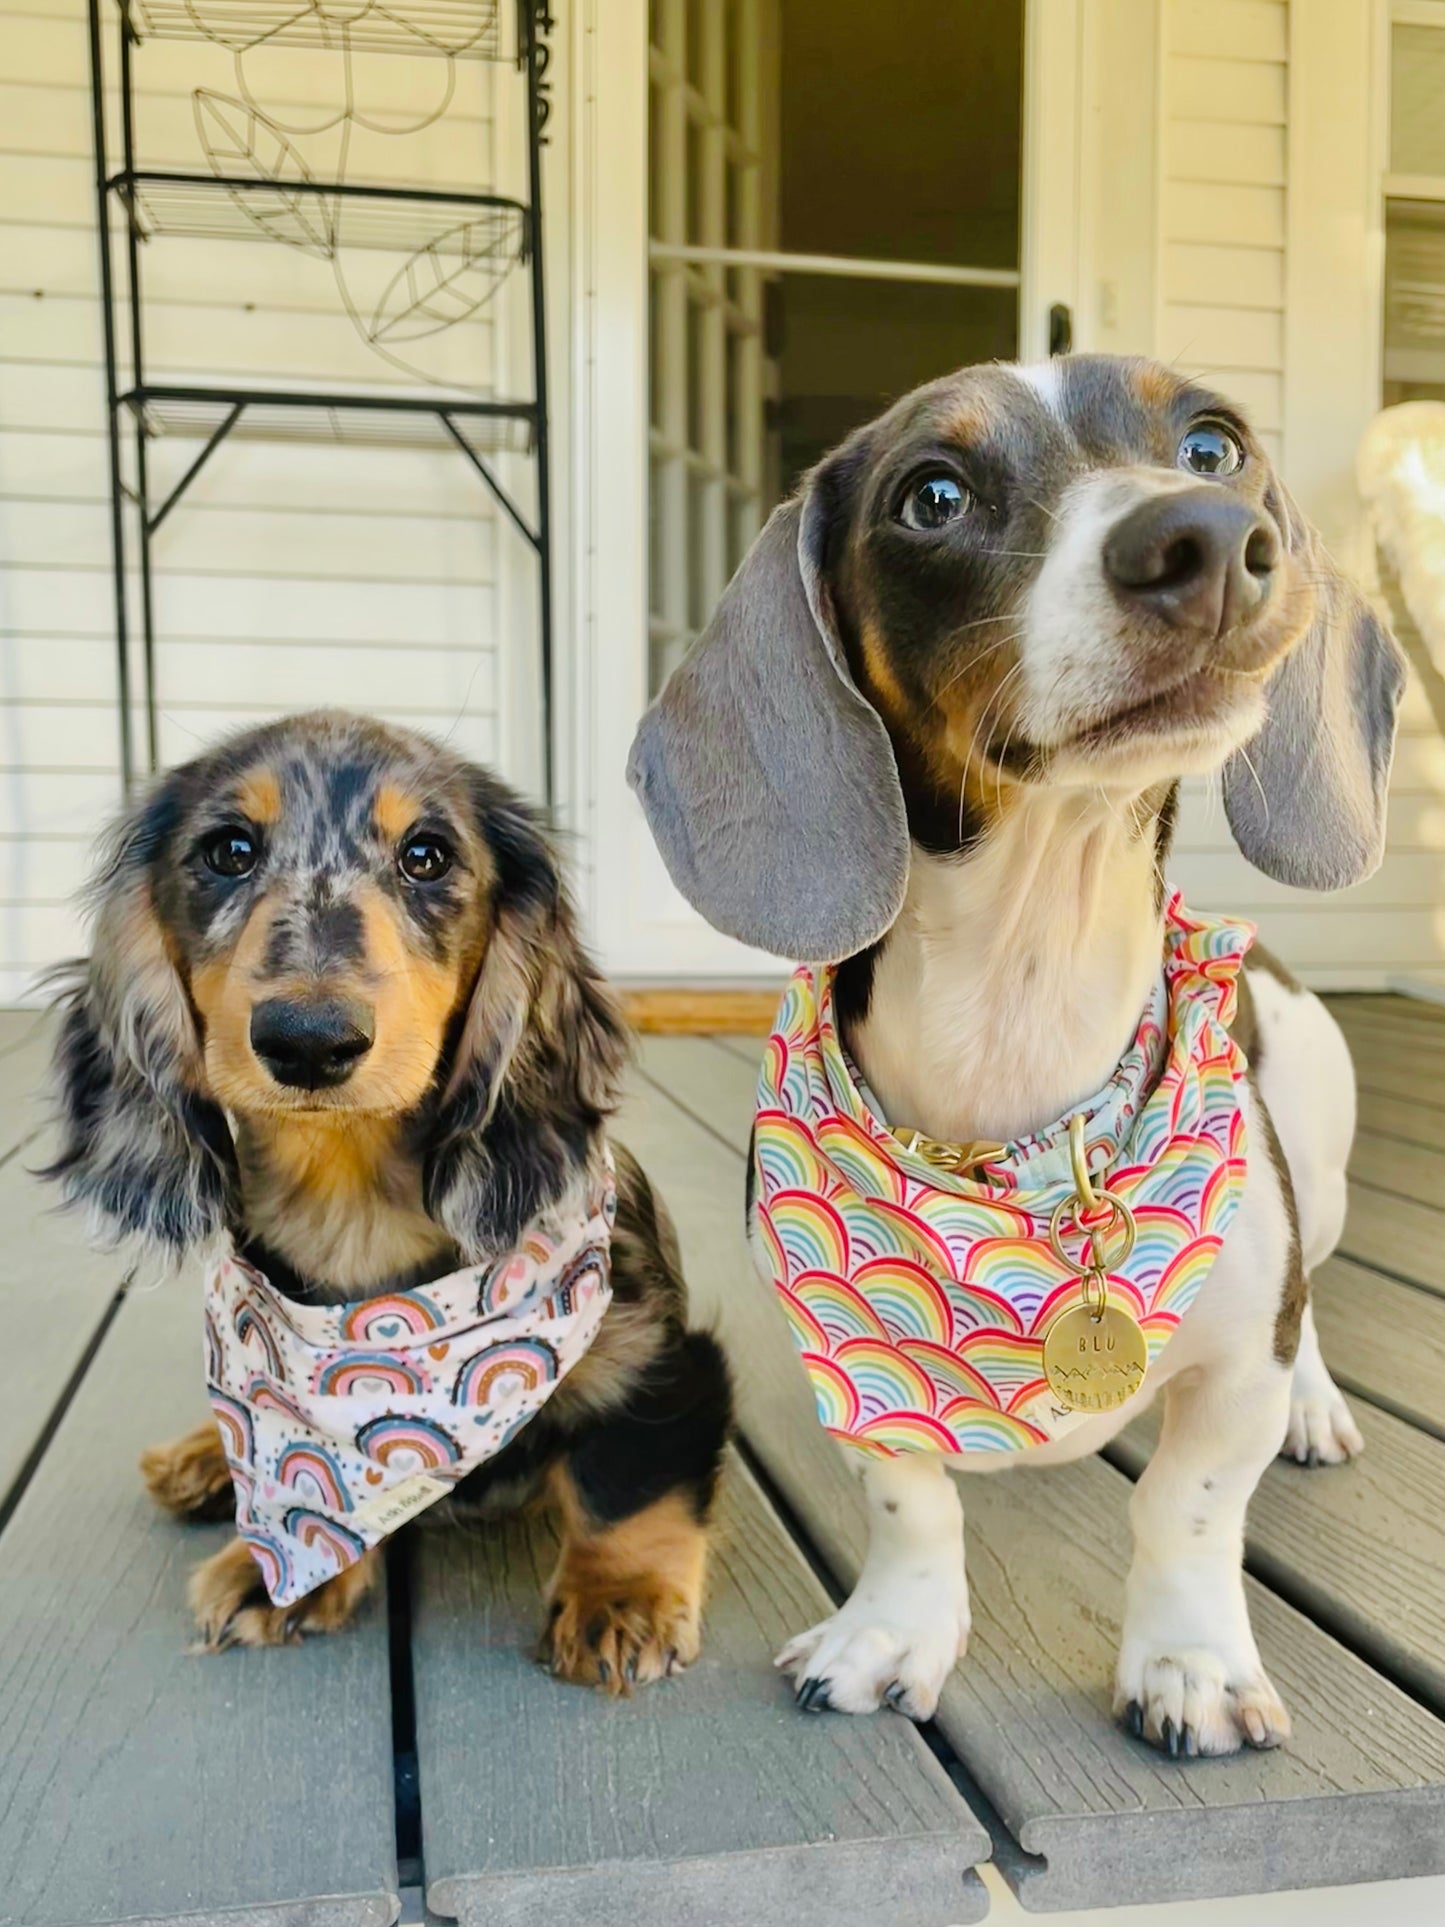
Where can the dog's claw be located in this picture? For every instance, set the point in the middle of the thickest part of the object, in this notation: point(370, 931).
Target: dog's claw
point(1134, 1719)
point(1191, 1743)
point(1169, 1734)
point(812, 1696)
point(895, 1693)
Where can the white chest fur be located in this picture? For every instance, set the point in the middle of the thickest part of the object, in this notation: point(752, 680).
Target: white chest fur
point(1014, 978)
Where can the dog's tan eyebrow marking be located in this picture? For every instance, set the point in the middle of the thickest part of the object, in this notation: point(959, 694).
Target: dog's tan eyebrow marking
point(258, 796)
point(395, 811)
point(1156, 387)
point(971, 419)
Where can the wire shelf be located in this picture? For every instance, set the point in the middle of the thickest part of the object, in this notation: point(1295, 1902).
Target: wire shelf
point(318, 217)
point(451, 29)
point(349, 421)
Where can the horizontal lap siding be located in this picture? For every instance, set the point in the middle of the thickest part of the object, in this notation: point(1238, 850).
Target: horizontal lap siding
point(1223, 235)
point(292, 576)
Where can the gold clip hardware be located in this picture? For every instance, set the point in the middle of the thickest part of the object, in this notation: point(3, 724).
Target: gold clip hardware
point(949, 1157)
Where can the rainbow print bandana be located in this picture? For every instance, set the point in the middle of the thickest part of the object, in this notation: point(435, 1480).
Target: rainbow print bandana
point(340, 1422)
point(919, 1298)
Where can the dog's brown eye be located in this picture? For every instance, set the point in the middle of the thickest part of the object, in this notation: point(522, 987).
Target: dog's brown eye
point(933, 501)
point(230, 853)
point(1209, 448)
point(424, 859)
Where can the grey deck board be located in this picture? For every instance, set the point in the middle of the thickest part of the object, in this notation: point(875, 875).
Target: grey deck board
point(139, 1783)
point(1404, 1066)
point(703, 1801)
point(54, 1291)
point(23, 1069)
point(1403, 1119)
point(1402, 1170)
point(1384, 1340)
point(1396, 1234)
point(1360, 1547)
point(1358, 1794)
point(16, 1026)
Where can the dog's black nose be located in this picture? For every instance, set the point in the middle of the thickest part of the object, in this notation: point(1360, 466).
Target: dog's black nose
point(313, 1045)
point(1200, 558)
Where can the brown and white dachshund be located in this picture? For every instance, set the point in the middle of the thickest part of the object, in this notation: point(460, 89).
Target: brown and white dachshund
point(337, 1011)
point(934, 735)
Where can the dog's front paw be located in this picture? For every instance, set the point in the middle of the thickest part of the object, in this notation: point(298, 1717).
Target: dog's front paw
point(873, 1651)
point(1322, 1430)
point(231, 1606)
point(1187, 1704)
point(189, 1476)
point(618, 1639)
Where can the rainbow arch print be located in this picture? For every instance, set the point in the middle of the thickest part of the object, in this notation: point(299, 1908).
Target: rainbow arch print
point(1187, 1271)
point(952, 1377)
point(215, 1356)
point(314, 1473)
point(253, 1331)
point(788, 1159)
point(271, 1557)
point(317, 1534)
point(263, 1396)
point(579, 1284)
point(907, 1298)
point(233, 1422)
point(392, 1320)
point(906, 1431)
point(1009, 1363)
point(407, 1444)
point(834, 1392)
point(505, 1373)
point(365, 1374)
point(838, 1307)
point(808, 1334)
point(981, 1429)
point(863, 1162)
point(887, 1379)
point(505, 1284)
point(810, 1232)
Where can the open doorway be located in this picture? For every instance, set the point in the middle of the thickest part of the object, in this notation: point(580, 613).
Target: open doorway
point(834, 217)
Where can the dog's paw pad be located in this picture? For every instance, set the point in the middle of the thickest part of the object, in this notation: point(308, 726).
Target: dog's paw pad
point(849, 1664)
point(1187, 1706)
point(1321, 1431)
point(623, 1641)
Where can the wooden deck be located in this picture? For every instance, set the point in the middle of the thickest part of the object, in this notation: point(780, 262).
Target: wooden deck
point(422, 1756)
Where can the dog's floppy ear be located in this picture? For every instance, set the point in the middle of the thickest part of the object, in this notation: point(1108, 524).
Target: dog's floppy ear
point(767, 778)
point(535, 1067)
point(1306, 796)
point(143, 1150)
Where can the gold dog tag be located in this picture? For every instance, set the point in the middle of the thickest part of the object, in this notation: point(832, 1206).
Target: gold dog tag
point(1095, 1360)
point(1095, 1356)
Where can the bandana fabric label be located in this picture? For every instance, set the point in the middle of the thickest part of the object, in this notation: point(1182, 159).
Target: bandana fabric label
point(340, 1422)
point(919, 1299)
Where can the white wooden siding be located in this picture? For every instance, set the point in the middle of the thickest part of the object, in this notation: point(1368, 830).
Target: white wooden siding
point(1225, 285)
point(291, 576)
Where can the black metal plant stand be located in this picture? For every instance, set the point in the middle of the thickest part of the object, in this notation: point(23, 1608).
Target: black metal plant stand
point(454, 240)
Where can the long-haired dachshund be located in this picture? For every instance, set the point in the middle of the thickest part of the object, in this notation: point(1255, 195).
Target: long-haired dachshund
point(933, 740)
point(337, 1021)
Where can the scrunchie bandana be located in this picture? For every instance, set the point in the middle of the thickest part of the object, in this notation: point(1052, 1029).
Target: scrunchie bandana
point(919, 1298)
point(340, 1422)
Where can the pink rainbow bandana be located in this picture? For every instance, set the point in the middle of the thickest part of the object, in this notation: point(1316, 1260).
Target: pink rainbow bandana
point(919, 1298)
point(340, 1422)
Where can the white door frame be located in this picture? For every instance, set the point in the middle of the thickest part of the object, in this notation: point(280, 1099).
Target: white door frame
point(639, 924)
